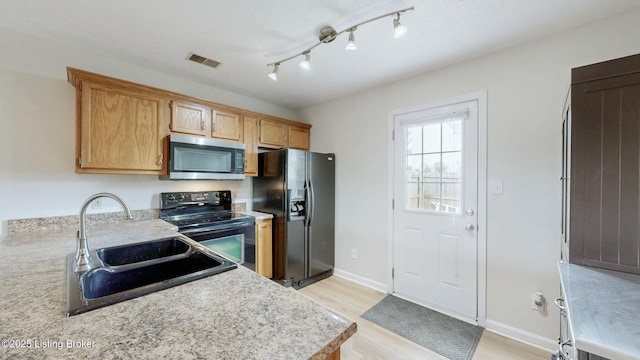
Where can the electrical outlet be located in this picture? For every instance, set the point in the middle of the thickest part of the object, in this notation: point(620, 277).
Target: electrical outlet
point(97, 203)
point(537, 302)
point(354, 254)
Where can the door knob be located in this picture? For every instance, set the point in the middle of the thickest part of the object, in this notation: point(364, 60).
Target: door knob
point(470, 212)
point(469, 227)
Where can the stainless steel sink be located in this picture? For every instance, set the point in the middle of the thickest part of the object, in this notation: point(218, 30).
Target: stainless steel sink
point(128, 271)
point(149, 251)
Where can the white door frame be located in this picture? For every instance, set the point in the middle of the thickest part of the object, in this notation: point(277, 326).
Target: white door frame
point(481, 98)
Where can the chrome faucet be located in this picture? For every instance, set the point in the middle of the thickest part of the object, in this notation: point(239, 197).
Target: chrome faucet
point(84, 261)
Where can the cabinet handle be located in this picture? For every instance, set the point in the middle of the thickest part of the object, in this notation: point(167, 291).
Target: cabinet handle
point(202, 125)
point(561, 353)
point(160, 160)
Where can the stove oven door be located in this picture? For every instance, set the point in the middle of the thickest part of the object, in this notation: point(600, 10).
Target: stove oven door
point(236, 243)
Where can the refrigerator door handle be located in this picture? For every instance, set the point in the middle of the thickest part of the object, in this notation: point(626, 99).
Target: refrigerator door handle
point(307, 203)
point(312, 197)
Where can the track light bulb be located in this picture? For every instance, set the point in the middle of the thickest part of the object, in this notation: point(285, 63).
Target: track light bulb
point(328, 34)
point(274, 74)
point(399, 30)
point(351, 45)
point(306, 63)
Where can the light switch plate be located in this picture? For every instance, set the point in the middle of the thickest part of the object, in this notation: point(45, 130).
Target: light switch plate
point(495, 186)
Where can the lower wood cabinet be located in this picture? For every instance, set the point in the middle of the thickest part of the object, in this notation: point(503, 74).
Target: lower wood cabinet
point(264, 259)
point(334, 355)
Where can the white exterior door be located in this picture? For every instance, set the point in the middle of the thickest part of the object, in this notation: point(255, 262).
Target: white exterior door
point(435, 238)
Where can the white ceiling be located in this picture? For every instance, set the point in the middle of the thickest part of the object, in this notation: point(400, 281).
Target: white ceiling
point(246, 35)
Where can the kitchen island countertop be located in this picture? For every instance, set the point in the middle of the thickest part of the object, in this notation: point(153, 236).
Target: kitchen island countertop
point(237, 314)
point(603, 310)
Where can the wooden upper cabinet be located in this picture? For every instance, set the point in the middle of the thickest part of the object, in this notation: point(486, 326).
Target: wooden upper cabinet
point(188, 118)
point(118, 130)
point(250, 132)
point(299, 137)
point(122, 127)
point(225, 125)
point(272, 134)
point(196, 119)
point(276, 134)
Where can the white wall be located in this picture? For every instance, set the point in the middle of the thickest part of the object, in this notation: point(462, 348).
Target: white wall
point(37, 132)
point(526, 86)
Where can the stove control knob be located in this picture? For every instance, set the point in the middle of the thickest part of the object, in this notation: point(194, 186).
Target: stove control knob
point(171, 197)
point(180, 196)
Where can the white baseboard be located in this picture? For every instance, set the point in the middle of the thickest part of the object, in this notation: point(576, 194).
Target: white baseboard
point(361, 280)
point(522, 336)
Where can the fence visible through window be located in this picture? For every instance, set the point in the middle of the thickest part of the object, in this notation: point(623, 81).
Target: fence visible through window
point(434, 166)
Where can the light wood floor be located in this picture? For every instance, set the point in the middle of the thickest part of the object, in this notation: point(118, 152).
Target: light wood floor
point(373, 342)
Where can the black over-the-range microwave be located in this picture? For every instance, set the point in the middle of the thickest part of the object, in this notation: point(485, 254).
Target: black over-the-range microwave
point(195, 158)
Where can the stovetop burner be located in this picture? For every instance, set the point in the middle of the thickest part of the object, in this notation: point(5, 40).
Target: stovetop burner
point(205, 219)
point(195, 211)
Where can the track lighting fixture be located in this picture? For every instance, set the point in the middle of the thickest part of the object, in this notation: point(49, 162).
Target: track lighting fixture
point(399, 30)
point(328, 34)
point(274, 74)
point(306, 63)
point(351, 45)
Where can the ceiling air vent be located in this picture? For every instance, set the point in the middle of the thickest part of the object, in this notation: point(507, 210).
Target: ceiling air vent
point(204, 61)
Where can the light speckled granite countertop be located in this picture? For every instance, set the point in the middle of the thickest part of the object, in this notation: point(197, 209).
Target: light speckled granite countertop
point(233, 315)
point(258, 215)
point(604, 310)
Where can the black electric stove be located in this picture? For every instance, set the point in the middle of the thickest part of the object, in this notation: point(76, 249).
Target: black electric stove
point(206, 217)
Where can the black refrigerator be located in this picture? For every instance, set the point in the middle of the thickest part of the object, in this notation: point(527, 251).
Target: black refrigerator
point(298, 188)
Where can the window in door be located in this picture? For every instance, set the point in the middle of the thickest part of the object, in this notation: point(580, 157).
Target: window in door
point(433, 178)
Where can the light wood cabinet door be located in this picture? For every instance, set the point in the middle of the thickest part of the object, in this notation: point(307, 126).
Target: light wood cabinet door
point(299, 138)
point(225, 125)
point(251, 145)
point(272, 134)
point(264, 259)
point(119, 131)
point(188, 118)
